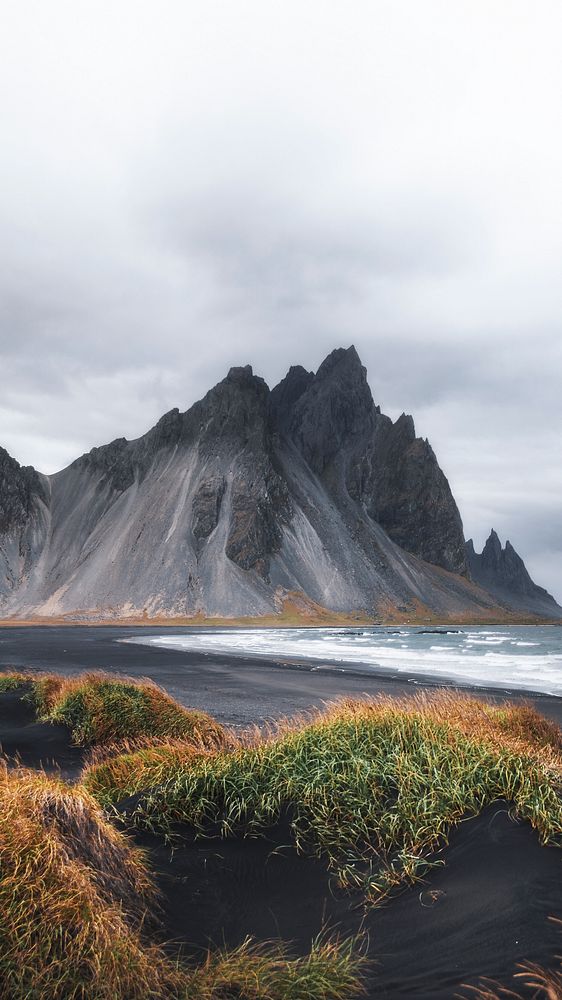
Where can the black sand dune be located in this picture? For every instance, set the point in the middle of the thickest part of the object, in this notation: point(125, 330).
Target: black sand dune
point(480, 914)
point(484, 911)
point(35, 744)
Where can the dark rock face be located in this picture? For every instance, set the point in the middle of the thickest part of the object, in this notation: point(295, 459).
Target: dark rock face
point(260, 505)
point(24, 499)
point(247, 497)
point(233, 423)
point(284, 396)
point(232, 417)
point(19, 485)
point(344, 438)
point(410, 497)
point(334, 410)
point(206, 506)
point(114, 463)
point(503, 573)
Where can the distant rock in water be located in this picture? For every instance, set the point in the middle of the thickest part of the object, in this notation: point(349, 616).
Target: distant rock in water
point(252, 498)
point(503, 573)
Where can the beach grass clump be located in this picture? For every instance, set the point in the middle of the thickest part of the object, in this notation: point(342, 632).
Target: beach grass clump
point(74, 897)
point(99, 708)
point(12, 681)
point(133, 766)
point(331, 971)
point(372, 785)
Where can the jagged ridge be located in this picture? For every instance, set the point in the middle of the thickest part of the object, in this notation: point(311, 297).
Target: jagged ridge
point(503, 573)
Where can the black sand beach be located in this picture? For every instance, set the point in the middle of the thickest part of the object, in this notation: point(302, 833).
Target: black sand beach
point(236, 690)
point(485, 910)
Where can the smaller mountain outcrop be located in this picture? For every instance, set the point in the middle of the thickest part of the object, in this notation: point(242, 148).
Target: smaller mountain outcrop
point(502, 572)
point(24, 498)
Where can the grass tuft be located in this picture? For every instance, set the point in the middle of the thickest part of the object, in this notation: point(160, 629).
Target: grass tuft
point(12, 681)
point(265, 972)
point(133, 766)
point(102, 709)
point(72, 896)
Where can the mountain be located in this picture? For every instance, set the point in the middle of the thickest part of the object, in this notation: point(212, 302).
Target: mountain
point(251, 499)
point(502, 572)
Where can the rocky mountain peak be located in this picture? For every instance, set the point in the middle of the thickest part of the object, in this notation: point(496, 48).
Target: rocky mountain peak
point(284, 396)
point(404, 428)
point(334, 407)
point(240, 375)
point(493, 547)
point(248, 496)
point(343, 360)
point(233, 414)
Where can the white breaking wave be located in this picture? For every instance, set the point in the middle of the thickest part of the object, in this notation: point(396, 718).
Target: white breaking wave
point(484, 658)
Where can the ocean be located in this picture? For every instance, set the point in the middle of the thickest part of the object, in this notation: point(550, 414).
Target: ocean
point(512, 657)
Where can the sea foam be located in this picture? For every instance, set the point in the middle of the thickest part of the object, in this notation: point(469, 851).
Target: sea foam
point(524, 658)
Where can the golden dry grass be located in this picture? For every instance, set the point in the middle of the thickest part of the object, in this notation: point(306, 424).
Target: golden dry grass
point(73, 894)
point(101, 708)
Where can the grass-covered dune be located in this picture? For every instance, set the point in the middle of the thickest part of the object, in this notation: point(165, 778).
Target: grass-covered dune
point(373, 785)
point(74, 900)
point(99, 709)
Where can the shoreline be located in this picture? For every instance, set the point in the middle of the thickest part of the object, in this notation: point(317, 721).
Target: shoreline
point(238, 690)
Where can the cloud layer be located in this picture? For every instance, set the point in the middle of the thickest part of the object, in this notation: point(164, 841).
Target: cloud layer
point(190, 186)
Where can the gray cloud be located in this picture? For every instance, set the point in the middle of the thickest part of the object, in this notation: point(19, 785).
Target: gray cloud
point(207, 185)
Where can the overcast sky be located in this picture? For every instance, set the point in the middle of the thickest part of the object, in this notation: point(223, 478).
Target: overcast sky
point(185, 186)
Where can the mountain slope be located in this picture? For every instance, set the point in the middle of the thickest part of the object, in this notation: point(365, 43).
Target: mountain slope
point(250, 496)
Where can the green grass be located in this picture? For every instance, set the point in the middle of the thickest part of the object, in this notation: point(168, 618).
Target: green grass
point(100, 710)
point(10, 682)
point(374, 787)
point(113, 777)
point(331, 971)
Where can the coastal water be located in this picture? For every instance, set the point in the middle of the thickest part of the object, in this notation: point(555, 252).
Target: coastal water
point(510, 657)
